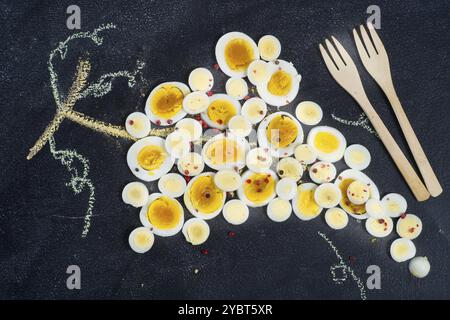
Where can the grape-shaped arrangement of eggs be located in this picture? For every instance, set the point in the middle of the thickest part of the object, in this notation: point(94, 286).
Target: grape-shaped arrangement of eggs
point(267, 172)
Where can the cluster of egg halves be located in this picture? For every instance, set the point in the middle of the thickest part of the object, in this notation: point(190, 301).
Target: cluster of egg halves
point(263, 172)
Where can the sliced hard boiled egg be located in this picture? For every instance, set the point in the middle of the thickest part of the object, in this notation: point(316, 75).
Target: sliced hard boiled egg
point(138, 125)
point(305, 154)
point(258, 72)
point(201, 79)
point(221, 109)
point(172, 185)
point(379, 227)
point(190, 164)
point(141, 240)
point(239, 126)
point(290, 168)
point(196, 231)
point(257, 188)
point(269, 47)
point(286, 188)
point(178, 143)
point(282, 85)
point(375, 209)
point(321, 172)
point(258, 160)
point(228, 180)
point(395, 204)
point(235, 212)
point(419, 267)
point(309, 113)
point(328, 142)
point(279, 210)
point(254, 110)
point(164, 105)
point(164, 215)
point(327, 195)
point(409, 226)
point(402, 250)
point(234, 52)
point(304, 205)
point(358, 192)
point(236, 88)
point(336, 218)
point(357, 157)
point(136, 194)
point(190, 126)
point(196, 102)
point(225, 152)
point(148, 159)
point(203, 198)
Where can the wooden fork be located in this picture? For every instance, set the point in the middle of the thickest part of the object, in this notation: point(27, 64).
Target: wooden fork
point(344, 71)
point(376, 61)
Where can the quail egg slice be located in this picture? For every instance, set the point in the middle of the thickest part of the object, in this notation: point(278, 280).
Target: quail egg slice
point(258, 160)
point(269, 47)
point(254, 110)
point(240, 126)
point(358, 192)
point(309, 113)
point(419, 267)
point(228, 180)
point(258, 72)
point(234, 53)
point(196, 231)
point(191, 164)
point(225, 152)
point(137, 125)
point(402, 250)
point(283, 84)
point(190, 126)
point(321, 172)
point(164, 215)
point(196, 102)
point(375, 209)
point(148, 159)
point(136, 194)
point(304, 205)
point(357, 157)
point(379, 227)
point(236, 88)
point(286, 188)
point(290, 168)
point(235, 212)
point(305, 154)
point(257, 188)
point(279, 210)
point(395, 204)
point(336, 218)
point(178, 143)
point(281, 133)
point(221, 109)
point(172, 185)
point(203, 198)
point(141, 240)
point(327, 195)
point(328, 142)
point(164, 105)
point(201, 79)
point(409, 226)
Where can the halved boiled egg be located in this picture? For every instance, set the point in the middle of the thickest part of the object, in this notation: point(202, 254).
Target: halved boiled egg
point(290, 168)
point(336, 218)
point(395, 204)
point(286, 188)
point(269, 47)
point(402, 250)
point(328, 142)
point(235, 212)
point(135, 193)
point(357, 157)
point(234, 52)
point(201, 79)
point(304, 205)
point(305, 154)
point(164, 105)
point(419, 267)
point(254, 110)
point(196, 231)
point(138, 125)
point(343, 181)
point(375, 209)
point(164, 215)
point(279, 210)
point(379, 227)
point(409, 226)
point(281, 133)
point(239, 126)
point(225, 151)
point(282, 85)
point(196, 102)
point(309, 113)
point(178, 143)
point(191, 164)
point(258, 72)
point(257, 188)
point(172, 185)
point(258, 160)
point(228, 180)
point(141, 240)
point(148, 159)
point(321, 172)
point(203, 198)
point(221, 109)
point(327, 195)
point(192, 127)
point(236, 88)
point(358, 192)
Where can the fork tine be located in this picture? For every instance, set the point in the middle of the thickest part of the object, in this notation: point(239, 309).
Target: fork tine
point(328, 61)
point(367, 42)
point(376, 39)
point(344, 54)
point(333, 53)
point(359, 46)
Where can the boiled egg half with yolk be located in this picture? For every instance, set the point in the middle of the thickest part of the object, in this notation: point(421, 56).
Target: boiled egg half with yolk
point(304, 204)
point(225, 151)
point(328, 142)
point(221, 109)
point(257, 188)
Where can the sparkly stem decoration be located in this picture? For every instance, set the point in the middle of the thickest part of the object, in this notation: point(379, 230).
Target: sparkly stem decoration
point(362, 122)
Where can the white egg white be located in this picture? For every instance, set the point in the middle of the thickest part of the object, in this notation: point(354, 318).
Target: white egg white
point(235, 217)
point(406, 255)
point(129, 192)
point(190, 164)
point(279, 210)
point(236, 83)
point(360, 149)
point(252, 103)
point(130, 125)
point(241, 143)
point(189, 122)
point(379, 227)
point(395, 204)
point(172, 178)
point(207, 77)
point(274, 42)
point(286, 188)
point(301, 215)
point(213, 98)
point(137, 248)
point(196, 102)
point(204, 225)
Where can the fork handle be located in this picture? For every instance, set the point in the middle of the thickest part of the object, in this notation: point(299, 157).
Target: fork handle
point(431, 181)
point(412, 179)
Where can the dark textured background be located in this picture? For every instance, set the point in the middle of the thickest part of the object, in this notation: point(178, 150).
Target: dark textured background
point(264, 259)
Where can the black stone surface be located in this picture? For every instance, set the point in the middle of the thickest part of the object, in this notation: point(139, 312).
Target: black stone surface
point(41, 219)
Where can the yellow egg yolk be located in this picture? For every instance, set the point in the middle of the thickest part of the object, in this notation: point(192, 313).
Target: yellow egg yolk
point(281, 131)
point(205, 196)
point(326, 142)
point(346, 203)
point(151, 157)
point(224, 151)
point(259, 187)
point(166, 102)
point(280, 83)
point(306, 203)
point(221, 111)
point(164, 213)
point(239, 54)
